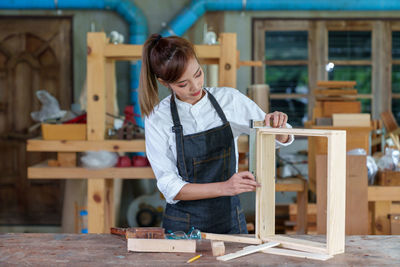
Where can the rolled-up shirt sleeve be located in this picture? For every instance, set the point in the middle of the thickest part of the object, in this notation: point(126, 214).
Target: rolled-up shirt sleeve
point(162, 161)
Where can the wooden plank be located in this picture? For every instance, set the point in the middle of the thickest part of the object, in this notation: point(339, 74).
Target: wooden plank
point(161, 245)
point(209, 51)
point(297, 254)
point(335, 92)
point(356, 194)
point(336, 197)
point(302, 132)
point(336, 84)
point(247, 250)
point(331, 107)
point(383, 193)
point(297, 244)
point(351, 119)
point(231, 238)
point(228, 61)
point(66, 159)
point(389, 121)
point(381, 221)
point(265, 175)
point(42, 171)
point(302, 203)
point(137, 145)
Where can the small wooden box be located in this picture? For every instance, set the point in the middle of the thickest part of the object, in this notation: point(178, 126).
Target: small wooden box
point(64, 131)
point(388, 177)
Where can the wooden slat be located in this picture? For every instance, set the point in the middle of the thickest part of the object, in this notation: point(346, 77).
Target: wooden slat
point(247, 250)
point(335, 92)
point(118, 51)
point(42, 171)
point(291, 184)
point(286, 62)
point(297, 244)
point(231, 238)
point(81, 146)
point(111, 91)
point(297, 254)
point(294, 131)
point(209, 51)
point(161, 245)
point(228, 61)
point(336, 84)
point(351, 62)
point(336, 193)
point(383, 193)
point(265, 175)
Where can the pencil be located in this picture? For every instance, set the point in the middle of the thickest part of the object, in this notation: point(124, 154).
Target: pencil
point(194, 258)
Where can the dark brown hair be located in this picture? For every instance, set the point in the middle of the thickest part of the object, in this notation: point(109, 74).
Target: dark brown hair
point(164, 58)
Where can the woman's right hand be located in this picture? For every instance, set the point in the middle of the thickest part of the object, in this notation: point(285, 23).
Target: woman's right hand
point(239, 183)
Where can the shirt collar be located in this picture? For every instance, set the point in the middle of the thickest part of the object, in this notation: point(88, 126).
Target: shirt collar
point(186, 105)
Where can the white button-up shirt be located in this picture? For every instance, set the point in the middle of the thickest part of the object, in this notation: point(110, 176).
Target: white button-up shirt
point(202, 116)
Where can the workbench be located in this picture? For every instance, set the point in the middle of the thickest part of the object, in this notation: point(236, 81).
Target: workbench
point(106, 249)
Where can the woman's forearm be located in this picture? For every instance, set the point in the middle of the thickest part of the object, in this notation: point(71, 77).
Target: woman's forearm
point(200, 191)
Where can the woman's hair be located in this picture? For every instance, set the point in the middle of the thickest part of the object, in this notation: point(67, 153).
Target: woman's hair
point(164, 58)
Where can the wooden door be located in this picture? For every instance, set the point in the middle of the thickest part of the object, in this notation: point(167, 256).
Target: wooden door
point(35, 54)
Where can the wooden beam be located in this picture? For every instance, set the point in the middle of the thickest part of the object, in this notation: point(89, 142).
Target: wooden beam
point(265, 175)
point(302, 132)
point(137, 145)
point(247, 250)
point(336, 193)
point(228, 61)
point(126, 51)
point(231, 238)
point(383, 193)
point(161, 245)
point(43, 171)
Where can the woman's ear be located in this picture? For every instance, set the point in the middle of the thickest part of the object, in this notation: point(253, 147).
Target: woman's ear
point(163, 82)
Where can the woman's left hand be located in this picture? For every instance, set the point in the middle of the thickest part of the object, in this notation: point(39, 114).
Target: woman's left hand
point(277, 119)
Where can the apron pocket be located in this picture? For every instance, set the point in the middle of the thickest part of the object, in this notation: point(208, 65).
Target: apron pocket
point(211, 168)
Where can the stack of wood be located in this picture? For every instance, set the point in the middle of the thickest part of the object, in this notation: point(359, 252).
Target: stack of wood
point(334, 98)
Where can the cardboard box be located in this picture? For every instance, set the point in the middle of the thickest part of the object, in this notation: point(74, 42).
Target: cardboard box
point(64, 131)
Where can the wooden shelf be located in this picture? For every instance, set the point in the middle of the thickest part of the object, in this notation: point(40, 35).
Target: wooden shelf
point(43, 171)
point(136, 145)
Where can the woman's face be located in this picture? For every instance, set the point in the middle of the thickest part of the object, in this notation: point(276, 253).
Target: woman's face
point(188, 88)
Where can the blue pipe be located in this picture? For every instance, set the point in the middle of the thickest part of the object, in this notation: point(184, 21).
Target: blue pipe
point(190, 14)
point(138, 29)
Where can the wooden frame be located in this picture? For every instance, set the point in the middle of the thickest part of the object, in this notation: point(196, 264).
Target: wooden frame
point(336, 192)
point(101, 94)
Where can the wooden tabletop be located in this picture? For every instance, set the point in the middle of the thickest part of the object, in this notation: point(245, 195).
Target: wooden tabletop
point(106, 249)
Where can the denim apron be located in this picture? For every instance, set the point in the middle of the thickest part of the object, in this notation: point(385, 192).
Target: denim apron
point(205, 157)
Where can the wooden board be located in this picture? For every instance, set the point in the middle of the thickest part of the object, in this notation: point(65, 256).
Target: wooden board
point(336, 84)
point(297, 254)
point(161, 245)
point(335, 92)
point(231, 238)
point(331, 107)
point(387, 178)
point(356, 195)
point(351, 119)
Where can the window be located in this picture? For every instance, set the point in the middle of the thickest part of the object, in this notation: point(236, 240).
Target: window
point(396, 75)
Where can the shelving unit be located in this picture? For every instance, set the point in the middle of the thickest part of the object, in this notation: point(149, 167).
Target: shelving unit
point(101, 92)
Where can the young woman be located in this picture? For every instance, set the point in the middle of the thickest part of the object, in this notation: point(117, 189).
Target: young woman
point(191, 139)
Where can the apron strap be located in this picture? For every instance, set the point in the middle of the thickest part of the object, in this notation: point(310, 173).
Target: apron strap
point(217, 107)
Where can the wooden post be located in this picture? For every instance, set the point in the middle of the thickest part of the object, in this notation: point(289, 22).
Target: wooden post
point(96, 109)
point(265, 175)
point(228, 61)
point(336, 197)
point(302, 204)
